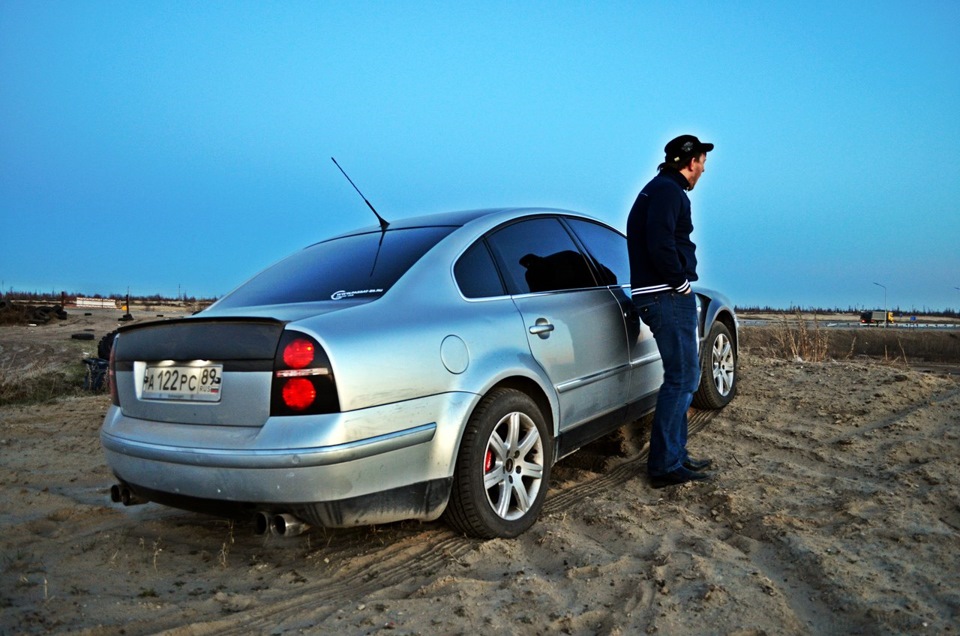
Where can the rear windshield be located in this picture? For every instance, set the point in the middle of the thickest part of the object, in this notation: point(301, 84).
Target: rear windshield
point(362, 266)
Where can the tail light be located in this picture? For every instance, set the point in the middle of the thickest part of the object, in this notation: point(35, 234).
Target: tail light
point(303, 382)
point(112, 373)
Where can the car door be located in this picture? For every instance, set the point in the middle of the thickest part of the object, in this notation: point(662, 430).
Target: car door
point(574, 325)
point(608, 249)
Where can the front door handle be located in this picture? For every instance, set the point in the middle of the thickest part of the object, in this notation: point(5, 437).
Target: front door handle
point(542, 328)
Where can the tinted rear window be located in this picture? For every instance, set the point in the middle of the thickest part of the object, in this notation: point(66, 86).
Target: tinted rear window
point(360, 266)
point(476, 274)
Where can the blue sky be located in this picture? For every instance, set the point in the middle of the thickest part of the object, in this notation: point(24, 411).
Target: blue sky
point(171, 147)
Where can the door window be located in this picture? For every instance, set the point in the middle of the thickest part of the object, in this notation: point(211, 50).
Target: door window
point(607, 248)
point(539, 255)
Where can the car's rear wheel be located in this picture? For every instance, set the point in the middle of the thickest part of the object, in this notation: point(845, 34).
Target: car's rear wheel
point(718, 369)
point(503, 467)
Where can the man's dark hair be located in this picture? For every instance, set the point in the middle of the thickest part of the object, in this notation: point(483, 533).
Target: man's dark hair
point(679, 165)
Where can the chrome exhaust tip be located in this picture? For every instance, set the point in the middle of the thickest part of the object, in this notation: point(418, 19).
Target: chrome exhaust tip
point(287, 525)
point(283, 524)
point(263, 522)
point(120, 493)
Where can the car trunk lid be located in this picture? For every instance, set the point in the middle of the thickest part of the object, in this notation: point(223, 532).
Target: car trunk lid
point(199, 370)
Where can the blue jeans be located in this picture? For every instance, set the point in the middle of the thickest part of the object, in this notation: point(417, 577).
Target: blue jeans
point(672, 318)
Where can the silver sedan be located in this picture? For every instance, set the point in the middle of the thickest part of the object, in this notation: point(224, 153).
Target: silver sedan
point(438, 366)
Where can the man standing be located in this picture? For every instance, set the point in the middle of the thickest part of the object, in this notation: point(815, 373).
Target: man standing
point(663, 263)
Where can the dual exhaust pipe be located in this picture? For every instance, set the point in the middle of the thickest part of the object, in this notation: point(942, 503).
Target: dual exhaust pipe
point(121, 493)
point(283, 524)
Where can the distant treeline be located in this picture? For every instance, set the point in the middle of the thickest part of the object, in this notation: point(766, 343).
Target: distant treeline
point(55, 297)
point(156, 299)
point(898, 311)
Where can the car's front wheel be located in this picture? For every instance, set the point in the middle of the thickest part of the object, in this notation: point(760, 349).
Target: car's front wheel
point(718, 369)
point(503, 467)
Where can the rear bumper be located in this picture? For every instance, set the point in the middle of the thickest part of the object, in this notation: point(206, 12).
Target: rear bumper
point(424, 501)
point(320, 460)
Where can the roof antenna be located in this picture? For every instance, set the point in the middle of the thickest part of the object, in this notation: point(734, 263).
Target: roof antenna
point(383, 224)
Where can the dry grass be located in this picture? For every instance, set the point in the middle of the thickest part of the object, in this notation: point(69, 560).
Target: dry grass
point(810, 341)
point(20, 387)
point(796, 340)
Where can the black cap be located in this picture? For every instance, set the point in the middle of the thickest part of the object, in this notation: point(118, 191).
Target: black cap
point(679, 150)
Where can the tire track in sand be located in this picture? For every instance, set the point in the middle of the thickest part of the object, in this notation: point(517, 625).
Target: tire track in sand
point(393, 564)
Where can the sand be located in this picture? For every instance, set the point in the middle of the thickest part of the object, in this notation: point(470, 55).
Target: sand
point(835, 510)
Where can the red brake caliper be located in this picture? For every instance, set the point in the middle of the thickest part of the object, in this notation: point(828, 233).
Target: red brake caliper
point(488, 461)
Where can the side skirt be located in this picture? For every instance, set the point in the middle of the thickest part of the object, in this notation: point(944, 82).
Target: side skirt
point(576, 438)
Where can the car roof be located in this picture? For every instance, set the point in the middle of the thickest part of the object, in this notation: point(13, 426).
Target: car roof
point(456, 219)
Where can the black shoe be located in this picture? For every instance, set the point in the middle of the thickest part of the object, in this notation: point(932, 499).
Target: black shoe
point(697, 465)
point(677, 477)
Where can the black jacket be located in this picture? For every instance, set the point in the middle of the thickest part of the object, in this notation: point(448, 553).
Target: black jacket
point(662, 256)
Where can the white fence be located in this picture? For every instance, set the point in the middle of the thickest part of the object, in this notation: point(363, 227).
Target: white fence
point(101, 303)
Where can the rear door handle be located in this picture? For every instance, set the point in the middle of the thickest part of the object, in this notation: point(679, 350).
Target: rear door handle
point(542, 328)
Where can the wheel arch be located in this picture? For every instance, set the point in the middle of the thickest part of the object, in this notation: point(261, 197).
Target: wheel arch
point(716, 308)
point(728, 321)
point(532, 389)
point(535, 392)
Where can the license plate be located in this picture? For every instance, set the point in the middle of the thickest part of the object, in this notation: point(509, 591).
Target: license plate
point(198, 384)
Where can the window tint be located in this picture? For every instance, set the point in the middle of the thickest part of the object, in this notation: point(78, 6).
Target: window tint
point(607, 248)
point(360, 266)
point(539, 255)
point(476, 274)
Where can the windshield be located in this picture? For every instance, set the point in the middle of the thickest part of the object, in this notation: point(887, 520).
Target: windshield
point(358, 267)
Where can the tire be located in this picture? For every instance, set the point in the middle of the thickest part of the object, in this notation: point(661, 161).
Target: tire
point(502, 469)
point(718, 370)
point(105, 345)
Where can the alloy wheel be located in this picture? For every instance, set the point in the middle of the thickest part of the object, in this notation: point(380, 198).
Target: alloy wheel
point(513, 466)
point(724, 364)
